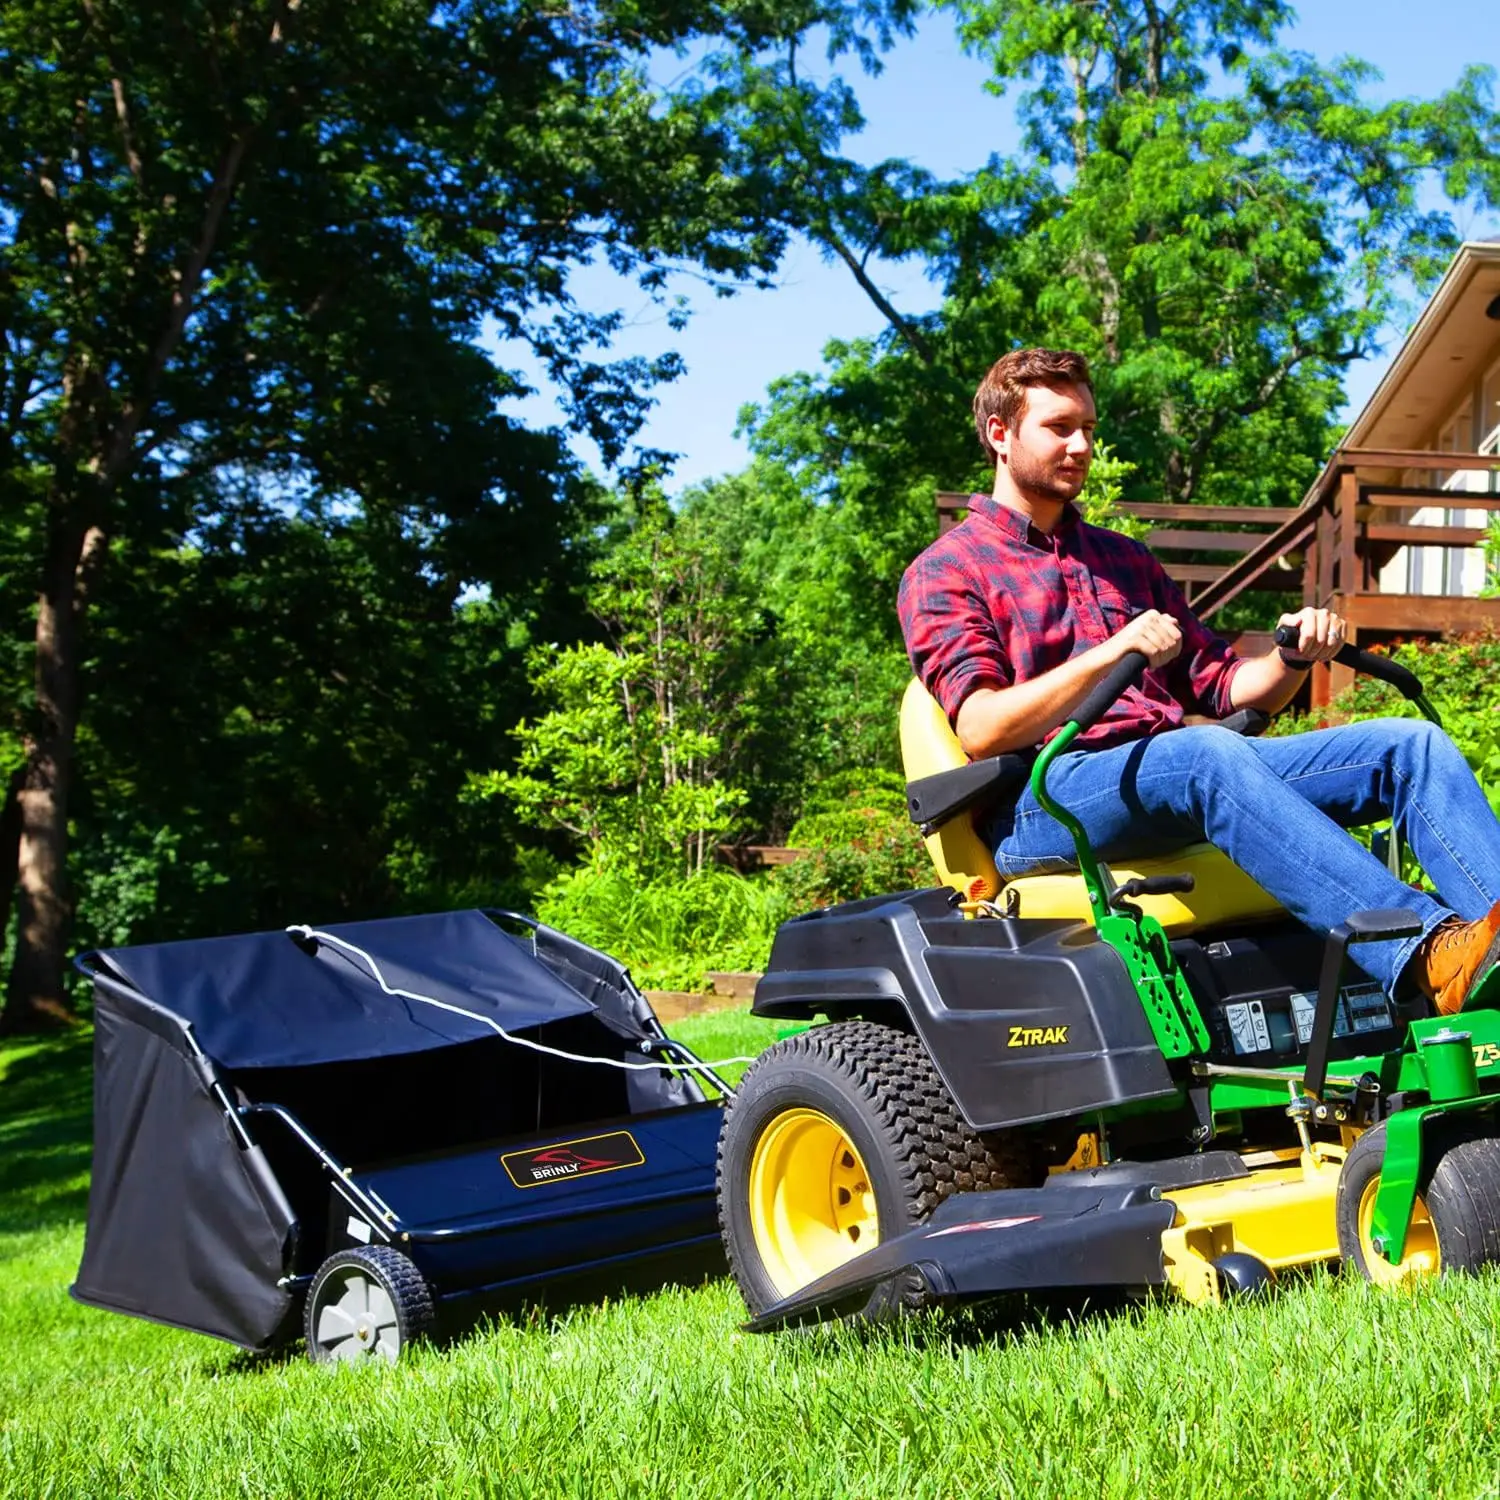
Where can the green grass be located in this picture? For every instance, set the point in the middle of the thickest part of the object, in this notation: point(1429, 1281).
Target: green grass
point(1327, 1389)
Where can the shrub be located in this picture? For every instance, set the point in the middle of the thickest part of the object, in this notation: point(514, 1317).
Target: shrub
point(859, 842)
point(668, 933)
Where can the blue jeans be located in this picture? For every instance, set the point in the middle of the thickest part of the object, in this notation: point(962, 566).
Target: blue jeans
point(1278, 808)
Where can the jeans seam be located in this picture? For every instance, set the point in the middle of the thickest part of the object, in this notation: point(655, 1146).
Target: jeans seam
point(1419, 811)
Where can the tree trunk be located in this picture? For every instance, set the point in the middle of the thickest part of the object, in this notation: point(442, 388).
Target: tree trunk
point(36, 998)
point(10, 841)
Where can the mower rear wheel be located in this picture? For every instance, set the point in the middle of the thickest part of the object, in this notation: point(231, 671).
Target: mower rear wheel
point(369, 1302)
point(1455, 1222)
point(834, 1139)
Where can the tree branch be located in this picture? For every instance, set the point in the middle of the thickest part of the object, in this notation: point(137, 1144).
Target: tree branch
point(918, 341)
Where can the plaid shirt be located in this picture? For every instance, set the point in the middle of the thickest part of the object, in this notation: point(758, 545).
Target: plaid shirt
point(995, 602)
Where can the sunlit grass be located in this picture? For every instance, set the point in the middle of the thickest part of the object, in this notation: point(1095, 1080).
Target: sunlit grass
point(1327, 1388)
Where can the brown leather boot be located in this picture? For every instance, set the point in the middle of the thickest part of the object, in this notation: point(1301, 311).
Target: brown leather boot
point(1454, 957)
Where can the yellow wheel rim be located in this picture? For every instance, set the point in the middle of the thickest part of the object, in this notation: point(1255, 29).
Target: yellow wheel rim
point(1422, 1257)
point(811, 1203)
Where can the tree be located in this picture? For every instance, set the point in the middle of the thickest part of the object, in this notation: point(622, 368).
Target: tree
point(248, 249)
point(1222, 228)
point(635, 756)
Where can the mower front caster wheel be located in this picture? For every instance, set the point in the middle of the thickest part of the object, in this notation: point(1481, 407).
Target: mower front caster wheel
point(366, 1303)
point(1242, 1275)
point(1455, 1222)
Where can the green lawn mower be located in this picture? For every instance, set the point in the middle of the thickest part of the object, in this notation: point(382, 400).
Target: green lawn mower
point(1131, 1076)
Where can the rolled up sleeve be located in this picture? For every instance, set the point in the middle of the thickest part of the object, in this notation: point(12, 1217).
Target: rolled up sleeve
point(951, 639)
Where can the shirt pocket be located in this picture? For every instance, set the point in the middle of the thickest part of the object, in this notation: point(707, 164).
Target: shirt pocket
point(1117, 607)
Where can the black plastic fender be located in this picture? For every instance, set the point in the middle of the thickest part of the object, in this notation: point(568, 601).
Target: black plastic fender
point(1021, 1239)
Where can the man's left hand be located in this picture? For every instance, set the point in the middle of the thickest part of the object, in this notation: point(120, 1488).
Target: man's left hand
point(1320, 633)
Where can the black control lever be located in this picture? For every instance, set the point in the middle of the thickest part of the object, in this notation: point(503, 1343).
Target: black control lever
point(1406, 682)
point(1151, 885)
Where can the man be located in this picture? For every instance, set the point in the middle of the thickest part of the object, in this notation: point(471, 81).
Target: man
point(1010, 620)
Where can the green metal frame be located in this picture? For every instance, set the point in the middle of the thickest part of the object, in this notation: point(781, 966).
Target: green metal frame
point(1140, 940)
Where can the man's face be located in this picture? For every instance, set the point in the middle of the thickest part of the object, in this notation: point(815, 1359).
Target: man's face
point(1048, 450)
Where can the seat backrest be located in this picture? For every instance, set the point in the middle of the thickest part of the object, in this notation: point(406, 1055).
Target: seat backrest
point(1222, 892)
point(929, 745)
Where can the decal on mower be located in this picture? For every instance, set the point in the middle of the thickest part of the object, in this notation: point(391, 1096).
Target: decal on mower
point(1037, 1036)
point(1486, 1054)
point(566, 1159)
point(937, 1234)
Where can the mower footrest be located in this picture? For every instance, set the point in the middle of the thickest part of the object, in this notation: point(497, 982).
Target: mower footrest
point(1167, 1175)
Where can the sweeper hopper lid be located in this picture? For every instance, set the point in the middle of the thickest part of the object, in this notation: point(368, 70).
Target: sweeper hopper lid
point(277, 999)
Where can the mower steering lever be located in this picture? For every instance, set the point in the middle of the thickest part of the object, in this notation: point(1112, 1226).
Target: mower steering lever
point(1150, 885)
point(1405, 681)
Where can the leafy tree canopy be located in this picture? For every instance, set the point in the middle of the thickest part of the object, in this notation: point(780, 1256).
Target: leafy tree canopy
point(249, 248)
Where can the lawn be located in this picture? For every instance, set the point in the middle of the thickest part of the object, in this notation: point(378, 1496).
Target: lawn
point(1326, 1389)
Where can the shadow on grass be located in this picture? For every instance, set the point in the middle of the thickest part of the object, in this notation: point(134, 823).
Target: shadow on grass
point(46, 1119)
point(1008, 1318)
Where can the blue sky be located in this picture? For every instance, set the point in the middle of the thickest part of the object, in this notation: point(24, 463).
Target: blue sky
point(929, 105)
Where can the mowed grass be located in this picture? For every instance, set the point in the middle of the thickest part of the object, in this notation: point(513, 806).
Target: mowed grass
point(1327, 1388)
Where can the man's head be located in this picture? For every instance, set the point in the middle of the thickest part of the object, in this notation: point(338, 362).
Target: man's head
point(1034, 414)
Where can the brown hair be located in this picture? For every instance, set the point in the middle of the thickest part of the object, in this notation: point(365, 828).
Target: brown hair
point(1002, 392)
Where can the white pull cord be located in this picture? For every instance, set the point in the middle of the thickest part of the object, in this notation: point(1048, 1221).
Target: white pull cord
point(520, 1041)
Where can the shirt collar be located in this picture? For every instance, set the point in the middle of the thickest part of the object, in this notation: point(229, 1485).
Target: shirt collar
point(1014, 524)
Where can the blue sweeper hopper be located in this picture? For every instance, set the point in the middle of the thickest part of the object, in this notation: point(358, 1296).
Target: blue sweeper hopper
point(346, 1133)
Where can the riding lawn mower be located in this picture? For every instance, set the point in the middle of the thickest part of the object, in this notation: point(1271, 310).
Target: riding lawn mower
point(1142, 1074)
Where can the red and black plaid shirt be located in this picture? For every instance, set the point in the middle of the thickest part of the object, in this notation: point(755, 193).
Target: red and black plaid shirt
point(995, 602)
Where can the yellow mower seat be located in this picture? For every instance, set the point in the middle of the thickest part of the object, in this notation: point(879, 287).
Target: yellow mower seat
point(1222, 892)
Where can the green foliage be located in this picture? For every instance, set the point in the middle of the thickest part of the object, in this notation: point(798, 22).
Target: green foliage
point(1099, 500)
point(670, 933)
point(860, 842)
point(292, 711)
point(632, 756)
point(1491, 586)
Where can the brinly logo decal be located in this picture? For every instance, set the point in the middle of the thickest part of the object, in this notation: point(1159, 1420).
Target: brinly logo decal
point(595, 1153)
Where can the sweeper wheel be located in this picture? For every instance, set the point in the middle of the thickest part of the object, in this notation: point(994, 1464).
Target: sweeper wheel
point(834, 1138)
point(366, 1303)
point(1455, 1222)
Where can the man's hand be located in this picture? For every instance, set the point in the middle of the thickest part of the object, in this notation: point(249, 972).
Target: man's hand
point(1155, 635)
point(1320, 633)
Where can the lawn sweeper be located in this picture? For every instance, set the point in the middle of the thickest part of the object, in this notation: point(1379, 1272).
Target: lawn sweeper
point(1144, 1074)
point(346, 1133)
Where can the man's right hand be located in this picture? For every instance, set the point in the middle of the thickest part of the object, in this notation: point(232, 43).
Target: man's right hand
point(991, 721)
point(1155, 635)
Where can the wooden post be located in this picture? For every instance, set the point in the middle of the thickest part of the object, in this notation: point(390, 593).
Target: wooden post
point(1347, 581)
point(1325, 555)
point(1335, 677)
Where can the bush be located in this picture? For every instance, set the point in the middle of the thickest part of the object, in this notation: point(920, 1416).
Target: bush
point(860, 843)
point(668, 933)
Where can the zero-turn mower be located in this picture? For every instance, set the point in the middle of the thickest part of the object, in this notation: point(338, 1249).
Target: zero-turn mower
point(1140, 1074)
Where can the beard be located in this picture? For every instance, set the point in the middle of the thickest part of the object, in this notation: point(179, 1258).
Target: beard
point(1042, 481)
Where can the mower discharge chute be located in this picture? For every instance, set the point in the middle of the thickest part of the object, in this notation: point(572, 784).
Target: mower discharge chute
point(1134, 1075)
point(343, 1132)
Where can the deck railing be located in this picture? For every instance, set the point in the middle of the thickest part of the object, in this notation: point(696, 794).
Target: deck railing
point(1330, 549)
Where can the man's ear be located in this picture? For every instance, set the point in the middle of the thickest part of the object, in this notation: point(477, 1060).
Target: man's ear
point(999, 435)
